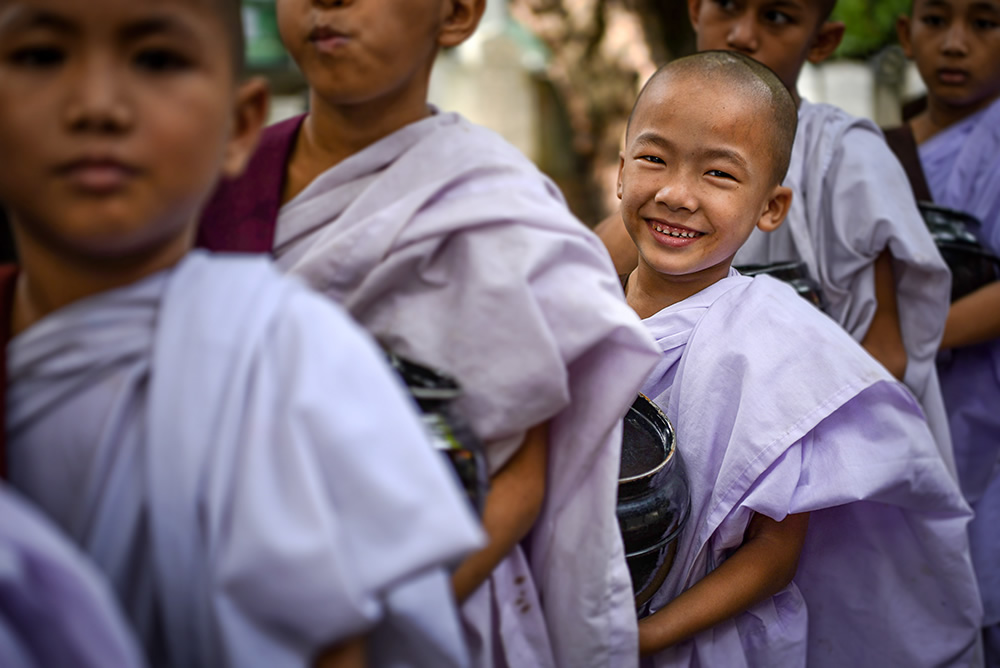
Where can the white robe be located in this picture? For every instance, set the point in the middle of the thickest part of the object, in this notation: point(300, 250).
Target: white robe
point(55, 610)
point(453, 249)
point(852, 201)
point(236, 457)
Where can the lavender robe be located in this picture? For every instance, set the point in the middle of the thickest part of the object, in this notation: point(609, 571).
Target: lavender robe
point(962, 165)
point(55, 610)
point(235, 456)
point(778, 411)
point(852, 201)
point(453, 249)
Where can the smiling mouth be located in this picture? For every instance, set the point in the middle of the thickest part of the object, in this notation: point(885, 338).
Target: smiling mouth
point(676, 232)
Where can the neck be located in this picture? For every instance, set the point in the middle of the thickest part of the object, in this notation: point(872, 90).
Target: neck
point(51, 279)
point(334, 132)
point(940, 115)
point(649, 292)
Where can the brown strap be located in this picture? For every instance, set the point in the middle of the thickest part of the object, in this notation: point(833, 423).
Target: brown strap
point(904, 145)
point(8, 281)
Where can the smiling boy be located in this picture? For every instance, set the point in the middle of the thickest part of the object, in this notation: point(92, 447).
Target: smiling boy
point(956, 47)
point(253, 494)
point(853, 221)
point(819, 499)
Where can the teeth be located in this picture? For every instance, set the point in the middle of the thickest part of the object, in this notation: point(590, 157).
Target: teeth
point(678, 235)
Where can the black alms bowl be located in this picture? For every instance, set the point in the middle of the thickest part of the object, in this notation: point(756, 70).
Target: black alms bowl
point(654, 501)
point(450, 433)
point(795, 274)
point(956, 235)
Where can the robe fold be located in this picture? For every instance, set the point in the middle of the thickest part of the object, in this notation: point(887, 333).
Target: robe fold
point(55, 610)
point(962, 167)
point(454, 250)
point(235, 456)
point(852, 201)
point(777, 411)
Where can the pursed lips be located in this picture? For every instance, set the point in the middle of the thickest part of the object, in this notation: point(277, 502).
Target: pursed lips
point(98, 175)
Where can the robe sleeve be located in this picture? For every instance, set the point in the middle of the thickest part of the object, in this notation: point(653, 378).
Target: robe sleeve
point(321, 506)
point(55, 610)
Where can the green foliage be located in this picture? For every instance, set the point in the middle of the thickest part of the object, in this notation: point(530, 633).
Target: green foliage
point(871, 25)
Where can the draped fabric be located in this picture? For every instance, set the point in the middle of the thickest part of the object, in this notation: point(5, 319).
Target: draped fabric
point(962, 165)
point(454, 250)
point(777, 411)
point(55, 610)
point(234, 455)
point(852, 201)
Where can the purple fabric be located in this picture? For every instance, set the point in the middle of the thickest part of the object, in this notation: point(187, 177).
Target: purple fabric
point(777, 411)
point(454, 250)
point(55, 610)
point(852, 201)
point(962, 164)
point(243, 212)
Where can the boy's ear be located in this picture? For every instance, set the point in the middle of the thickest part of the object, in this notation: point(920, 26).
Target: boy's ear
point(621, 168)
point(903, 32)
point(826, 41)
point(776, 209)
point(460, 20)
point(694, 11)
point(250, 114)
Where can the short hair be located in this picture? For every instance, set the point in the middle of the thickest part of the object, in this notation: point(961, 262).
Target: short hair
point(231, 14)
point(751, 76)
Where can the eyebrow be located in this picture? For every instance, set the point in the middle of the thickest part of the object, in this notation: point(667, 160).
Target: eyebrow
point(158, 25)
point(22, 18)
point(712, 153)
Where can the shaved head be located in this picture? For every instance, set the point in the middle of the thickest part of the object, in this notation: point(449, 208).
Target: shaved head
point(730, 71)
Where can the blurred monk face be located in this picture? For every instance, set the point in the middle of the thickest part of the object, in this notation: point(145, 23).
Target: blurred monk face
point(373, 52)
point(782, 34)
point(116, 118)
point(696, 177)
point(956, 46)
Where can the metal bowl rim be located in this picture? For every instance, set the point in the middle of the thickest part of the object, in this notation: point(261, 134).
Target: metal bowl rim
point(671, 447)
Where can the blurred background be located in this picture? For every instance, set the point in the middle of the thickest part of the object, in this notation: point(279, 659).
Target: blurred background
point(557, 77)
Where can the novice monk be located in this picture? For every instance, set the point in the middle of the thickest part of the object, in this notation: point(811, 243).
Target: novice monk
point(853, 221)
point(956, 45)
point(228, 448)
point(784, 421)
point(453, 250)
point(55, 610)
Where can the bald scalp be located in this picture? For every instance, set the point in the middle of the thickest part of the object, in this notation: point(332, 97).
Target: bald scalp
point(730, 70)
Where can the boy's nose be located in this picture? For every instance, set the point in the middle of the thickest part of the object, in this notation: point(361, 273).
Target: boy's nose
point(677, 195)
point(955, 40)
point(98, 101)
point(742, 35)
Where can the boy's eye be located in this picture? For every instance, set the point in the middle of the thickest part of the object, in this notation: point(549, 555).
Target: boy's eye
point(38, 56)
point(932, 20)
point(776, 17)
point(726, 5)
point(161, 60)
point(985, 24)
point(719, 174)
point(651, 158)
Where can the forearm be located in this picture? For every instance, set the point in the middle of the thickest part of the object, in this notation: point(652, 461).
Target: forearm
point(349, 654)
point(975, 318)
point(762, 566)
point(620, 246)
point(515, 499)
point(884, 338)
